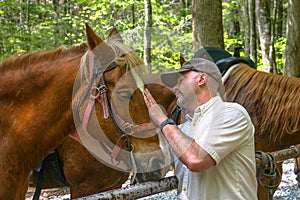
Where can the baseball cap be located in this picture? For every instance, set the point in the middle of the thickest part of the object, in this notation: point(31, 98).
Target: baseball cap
point(195, 64)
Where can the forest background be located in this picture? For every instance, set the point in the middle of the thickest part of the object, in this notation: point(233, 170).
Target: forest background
point(267, 31)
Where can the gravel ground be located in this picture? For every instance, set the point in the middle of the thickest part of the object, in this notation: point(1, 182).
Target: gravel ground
point(287, 190)
point(55, 193)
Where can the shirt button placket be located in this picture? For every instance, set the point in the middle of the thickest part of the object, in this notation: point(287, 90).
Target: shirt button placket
point(185, 181)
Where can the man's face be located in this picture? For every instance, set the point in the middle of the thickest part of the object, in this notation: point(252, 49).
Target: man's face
point(185, 89)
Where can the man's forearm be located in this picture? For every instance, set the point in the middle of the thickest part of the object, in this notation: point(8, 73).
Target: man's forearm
point(187, 150)
point(179, 142)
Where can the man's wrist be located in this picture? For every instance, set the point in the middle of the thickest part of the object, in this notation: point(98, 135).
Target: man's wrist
point(166, 122)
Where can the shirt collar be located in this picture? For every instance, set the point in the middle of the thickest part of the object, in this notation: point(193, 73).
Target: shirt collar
point(202, 109)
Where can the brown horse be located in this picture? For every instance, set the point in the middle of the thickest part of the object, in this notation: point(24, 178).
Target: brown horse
point(84, 174)
point(38, 112)
point(273, 104)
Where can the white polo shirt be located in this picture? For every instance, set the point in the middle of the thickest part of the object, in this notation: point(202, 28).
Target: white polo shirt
point(225, 131)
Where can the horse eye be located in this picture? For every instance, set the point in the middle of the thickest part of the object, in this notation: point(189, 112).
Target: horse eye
point(124, 94)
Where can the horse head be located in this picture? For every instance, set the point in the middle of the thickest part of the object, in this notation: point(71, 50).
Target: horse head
point(110, 115)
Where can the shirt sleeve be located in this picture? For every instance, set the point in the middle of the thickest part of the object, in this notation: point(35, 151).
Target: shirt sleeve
point(229, 129)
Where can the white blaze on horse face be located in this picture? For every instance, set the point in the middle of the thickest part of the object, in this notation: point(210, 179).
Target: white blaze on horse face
point(138, 80)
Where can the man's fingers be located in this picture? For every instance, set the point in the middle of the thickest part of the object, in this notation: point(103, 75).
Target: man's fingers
point(149, 96)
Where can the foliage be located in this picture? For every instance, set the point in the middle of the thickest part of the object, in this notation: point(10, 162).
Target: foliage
point(231, 43)
point(36, 26)
point(279, 45)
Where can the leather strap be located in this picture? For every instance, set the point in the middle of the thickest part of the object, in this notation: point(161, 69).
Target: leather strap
point(167, 121)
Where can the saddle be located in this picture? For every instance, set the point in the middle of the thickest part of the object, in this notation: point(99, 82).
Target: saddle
point(222, 58)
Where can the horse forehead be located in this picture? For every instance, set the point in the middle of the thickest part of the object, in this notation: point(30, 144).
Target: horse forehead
point(120, 76)
point(125, 75)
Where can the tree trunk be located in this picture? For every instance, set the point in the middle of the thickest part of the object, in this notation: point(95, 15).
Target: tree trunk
point(147, 33)
point(272, 54)
point(263, 15)
point(207, 24)
point(234, 23)
point(132, 11)
point(253, 35)
point(280, 18)
point(292, 52)
point(246, 26)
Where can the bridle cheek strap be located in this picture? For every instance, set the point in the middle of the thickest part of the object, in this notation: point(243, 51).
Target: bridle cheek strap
point(101, 97)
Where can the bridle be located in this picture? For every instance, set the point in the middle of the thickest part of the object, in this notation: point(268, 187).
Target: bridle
point(97, 84)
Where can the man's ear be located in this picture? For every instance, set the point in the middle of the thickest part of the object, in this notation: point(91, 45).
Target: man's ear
point(202, 79)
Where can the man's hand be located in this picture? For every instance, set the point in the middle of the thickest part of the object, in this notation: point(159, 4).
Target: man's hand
point(156, 113)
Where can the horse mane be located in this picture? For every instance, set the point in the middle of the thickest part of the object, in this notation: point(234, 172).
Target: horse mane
point(21, 60)
point(30, 68)
point(271, 100)
point(131, 58)
point(124, 56)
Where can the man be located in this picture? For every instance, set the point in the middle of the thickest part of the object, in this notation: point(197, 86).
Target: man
point(215, 146)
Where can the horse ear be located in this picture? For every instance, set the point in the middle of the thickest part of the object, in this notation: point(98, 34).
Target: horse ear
point(115, 35)
point(182, 60)
point(102, 51)
point(92, 39)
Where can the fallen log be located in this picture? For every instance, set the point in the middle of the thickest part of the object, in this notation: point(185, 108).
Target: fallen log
point(279, 156)
point(285, 154)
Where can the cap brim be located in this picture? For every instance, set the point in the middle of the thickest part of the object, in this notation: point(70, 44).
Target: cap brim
point(170, 78)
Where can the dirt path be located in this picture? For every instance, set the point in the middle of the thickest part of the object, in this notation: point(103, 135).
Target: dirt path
point(54, 194)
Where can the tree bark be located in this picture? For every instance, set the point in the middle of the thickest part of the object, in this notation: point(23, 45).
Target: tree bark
point(234, 23)
point(272, 53)
point(280, 18)
point(246, 26)
point(292, 52)
point(147, 33)
point(207, 24)
point(253, 35)
point(263, 15)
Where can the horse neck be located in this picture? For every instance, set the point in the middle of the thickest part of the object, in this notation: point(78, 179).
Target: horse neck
point(36, 101)
point(270, 101)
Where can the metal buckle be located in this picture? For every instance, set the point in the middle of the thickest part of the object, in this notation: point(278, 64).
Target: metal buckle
point(102, 89)
point(126, 142)
point(128, 128)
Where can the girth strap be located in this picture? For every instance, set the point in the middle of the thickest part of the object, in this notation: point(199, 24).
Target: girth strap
point(52, 164)
point(38, 189)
